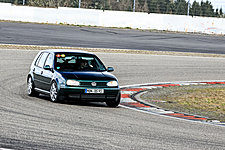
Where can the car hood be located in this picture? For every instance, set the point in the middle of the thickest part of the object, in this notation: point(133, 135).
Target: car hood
point(88, 75)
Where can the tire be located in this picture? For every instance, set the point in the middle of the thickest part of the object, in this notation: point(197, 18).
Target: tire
point(114, 103)
point(54, 93)
point(30, 87)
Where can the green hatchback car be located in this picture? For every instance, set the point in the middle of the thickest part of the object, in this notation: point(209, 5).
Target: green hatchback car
point(75, 75)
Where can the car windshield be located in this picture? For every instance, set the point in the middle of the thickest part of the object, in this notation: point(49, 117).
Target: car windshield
point(77, 62)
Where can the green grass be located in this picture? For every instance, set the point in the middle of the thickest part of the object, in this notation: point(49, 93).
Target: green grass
point(208, 102)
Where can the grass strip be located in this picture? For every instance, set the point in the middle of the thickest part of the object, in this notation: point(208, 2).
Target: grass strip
point(203, 100)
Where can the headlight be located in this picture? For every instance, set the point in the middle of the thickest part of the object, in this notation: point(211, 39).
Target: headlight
point(72, 83)
point(112, 83)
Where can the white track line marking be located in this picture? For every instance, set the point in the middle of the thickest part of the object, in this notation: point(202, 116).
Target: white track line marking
point(127, 100)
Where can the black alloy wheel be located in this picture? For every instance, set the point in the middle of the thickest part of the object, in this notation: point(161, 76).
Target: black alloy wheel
point(114, 103)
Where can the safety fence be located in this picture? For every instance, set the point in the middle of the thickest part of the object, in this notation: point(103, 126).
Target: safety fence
point(179, 7)
point(120, 19)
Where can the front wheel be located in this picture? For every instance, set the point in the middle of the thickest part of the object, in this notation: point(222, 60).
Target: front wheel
point(114, 103)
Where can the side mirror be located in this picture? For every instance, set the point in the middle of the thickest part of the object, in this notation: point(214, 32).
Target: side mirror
point(110, 69)
point(47, 67)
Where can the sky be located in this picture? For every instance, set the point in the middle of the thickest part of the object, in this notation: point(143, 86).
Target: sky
point(216, 3)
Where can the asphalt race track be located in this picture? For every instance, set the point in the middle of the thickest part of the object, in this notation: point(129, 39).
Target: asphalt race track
point(36, 123)
point(71, 36)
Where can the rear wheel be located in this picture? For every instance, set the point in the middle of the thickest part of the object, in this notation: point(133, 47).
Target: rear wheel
point(54, 94)
point(114, 103)
point(30, 87)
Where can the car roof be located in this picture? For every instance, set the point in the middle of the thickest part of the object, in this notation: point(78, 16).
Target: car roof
point(66, 51)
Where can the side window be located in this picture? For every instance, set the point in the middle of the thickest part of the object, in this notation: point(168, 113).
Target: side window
point(38, 59)
point(42, 60)
point(49, 60)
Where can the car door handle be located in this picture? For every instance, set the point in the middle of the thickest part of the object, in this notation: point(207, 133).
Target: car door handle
point(41, 72)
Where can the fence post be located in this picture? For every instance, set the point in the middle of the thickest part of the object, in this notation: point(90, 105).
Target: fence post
point(188, 11)
point(79, 3)
point(134, 6)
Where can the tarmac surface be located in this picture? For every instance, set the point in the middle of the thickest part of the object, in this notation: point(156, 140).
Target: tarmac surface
point(36, 123)
point(72, 36)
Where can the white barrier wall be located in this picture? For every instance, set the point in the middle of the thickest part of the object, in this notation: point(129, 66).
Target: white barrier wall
point(92, 17)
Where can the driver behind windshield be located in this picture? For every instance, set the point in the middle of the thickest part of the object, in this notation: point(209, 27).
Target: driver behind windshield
point(83, 65)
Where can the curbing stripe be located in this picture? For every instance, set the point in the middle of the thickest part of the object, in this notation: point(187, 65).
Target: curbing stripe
point(129, 101)
point(152, 87)
point(125, 95)
point(135, 89)
point(166, 85)
point(127, 92)
point(126, 100)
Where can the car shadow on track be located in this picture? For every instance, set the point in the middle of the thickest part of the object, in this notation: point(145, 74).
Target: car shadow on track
point(71, 102)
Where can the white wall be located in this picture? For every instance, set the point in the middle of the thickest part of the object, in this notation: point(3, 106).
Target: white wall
point(92, 17)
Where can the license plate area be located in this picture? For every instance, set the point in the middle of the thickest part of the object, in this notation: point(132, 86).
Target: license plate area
point(94, 91)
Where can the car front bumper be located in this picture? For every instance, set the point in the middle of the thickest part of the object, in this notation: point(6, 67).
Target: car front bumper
point(78, 93)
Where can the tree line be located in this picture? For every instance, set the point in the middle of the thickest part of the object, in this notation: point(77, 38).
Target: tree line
point(179, 7)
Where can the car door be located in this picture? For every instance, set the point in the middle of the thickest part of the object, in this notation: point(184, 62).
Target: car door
point(38, 70)
point(47, 73)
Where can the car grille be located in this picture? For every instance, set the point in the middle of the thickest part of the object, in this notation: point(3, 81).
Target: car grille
point(83, 96)
point(91, 96)
point(99, 84)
